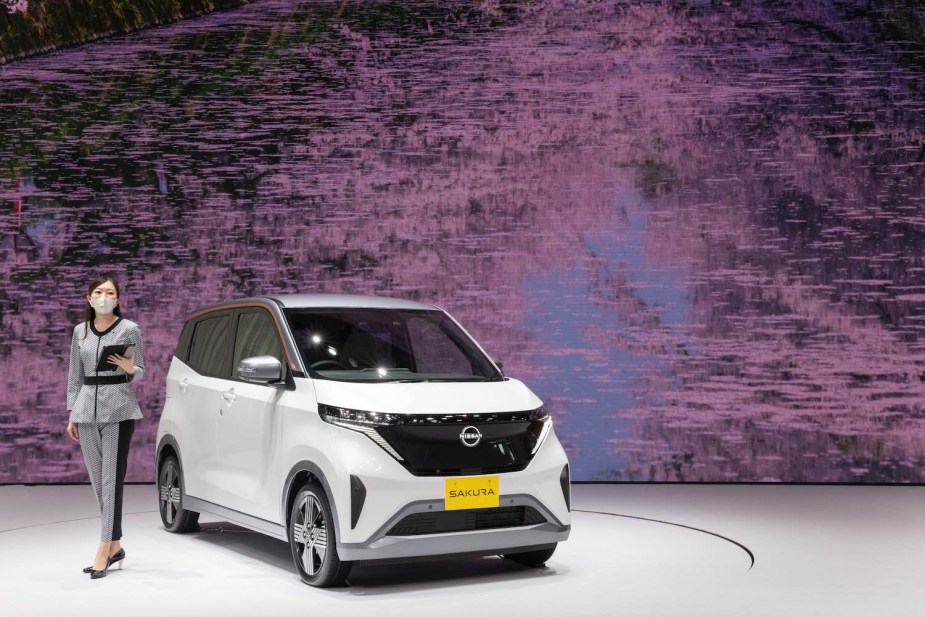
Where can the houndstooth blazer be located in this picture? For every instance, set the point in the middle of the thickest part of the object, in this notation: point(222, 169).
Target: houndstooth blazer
point(107, 402)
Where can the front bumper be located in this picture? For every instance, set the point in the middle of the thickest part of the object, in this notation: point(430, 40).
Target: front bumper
point(486, 542)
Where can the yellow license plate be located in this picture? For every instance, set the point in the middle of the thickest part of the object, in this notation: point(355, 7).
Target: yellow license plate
point(475, 492)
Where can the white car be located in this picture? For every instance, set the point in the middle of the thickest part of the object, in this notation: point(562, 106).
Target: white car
point(356, 428)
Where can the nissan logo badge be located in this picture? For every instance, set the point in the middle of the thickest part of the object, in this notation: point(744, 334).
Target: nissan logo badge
point(470, 436)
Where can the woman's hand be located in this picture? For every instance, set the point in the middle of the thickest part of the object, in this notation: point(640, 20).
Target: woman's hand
point(72, 431)
point(122, 362)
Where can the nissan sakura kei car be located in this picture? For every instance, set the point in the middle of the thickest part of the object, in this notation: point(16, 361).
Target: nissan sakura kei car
point(356, 428)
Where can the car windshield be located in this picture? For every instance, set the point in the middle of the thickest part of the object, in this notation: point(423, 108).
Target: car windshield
point(369, 344)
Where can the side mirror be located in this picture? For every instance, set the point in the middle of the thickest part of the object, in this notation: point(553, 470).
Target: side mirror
point(260, 369)
point(499, 364)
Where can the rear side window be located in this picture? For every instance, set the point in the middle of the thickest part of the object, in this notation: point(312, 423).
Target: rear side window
point(211, 346)
point(183, 345)
point(257, 336)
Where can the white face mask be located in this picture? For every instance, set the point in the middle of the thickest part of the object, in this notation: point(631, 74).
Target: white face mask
point(103, 305)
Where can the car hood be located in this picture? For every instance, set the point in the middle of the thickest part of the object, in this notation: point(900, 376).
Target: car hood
point(428, 397)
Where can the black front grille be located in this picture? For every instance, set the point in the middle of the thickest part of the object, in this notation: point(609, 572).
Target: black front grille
point(435, 449)
point(424, 523)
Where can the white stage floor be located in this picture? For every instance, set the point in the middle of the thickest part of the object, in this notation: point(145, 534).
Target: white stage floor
point(819, 550)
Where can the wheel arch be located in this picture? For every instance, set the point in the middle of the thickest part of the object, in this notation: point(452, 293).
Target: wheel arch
point(301, 474)
point(167, 447)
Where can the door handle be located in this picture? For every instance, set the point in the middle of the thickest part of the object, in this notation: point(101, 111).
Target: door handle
point(183, 385)
point(229, 396)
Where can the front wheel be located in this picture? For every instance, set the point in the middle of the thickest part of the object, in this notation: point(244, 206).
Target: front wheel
point(169, 490)
point(532, 559)
point(313, 539)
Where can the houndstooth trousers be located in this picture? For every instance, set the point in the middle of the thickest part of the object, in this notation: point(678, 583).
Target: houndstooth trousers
point(105, 449)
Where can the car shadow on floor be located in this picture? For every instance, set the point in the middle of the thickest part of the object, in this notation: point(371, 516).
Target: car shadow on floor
point(245, 542)
point(380, 578)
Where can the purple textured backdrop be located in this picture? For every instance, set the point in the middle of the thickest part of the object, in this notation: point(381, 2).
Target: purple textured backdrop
point(695, 231)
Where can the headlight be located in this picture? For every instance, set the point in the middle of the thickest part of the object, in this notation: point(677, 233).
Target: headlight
point(363, 422)
point(342, 416)
point(539, 413)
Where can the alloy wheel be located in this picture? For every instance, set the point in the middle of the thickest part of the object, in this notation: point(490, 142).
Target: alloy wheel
point(310, 534)
point(169, 492)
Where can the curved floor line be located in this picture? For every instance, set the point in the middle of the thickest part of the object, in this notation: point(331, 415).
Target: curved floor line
point(70, 520)
point(751, 555)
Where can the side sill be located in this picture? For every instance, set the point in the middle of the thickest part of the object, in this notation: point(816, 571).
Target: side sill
point(238, 518)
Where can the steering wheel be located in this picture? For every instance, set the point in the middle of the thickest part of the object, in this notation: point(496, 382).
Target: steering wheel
point(323, 362)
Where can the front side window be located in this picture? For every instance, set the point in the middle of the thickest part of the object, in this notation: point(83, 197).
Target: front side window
point(365, 344)
point(436, 352)
point(257, 336)
point(210, 347)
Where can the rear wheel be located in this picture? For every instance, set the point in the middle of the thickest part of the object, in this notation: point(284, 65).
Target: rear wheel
point(313, 539)
point(170, 494)
point(532, 559)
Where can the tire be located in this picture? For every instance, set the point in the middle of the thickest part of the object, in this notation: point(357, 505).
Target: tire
point(313, 539)
point(170, 499)
point(532, 559)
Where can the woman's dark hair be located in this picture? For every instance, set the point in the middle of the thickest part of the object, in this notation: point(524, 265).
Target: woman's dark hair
point(89, 311)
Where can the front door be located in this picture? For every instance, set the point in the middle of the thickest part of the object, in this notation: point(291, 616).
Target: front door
point(249, 432)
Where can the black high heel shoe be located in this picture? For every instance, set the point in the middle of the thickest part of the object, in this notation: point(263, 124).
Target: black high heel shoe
point(119, 556)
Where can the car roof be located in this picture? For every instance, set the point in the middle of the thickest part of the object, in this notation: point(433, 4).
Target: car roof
point(345, 301)
point(314, 301)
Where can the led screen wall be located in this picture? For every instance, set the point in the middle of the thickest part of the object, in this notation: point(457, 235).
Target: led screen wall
point(695, 231)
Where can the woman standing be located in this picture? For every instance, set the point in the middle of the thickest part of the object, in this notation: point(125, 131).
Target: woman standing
point(103, 408)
